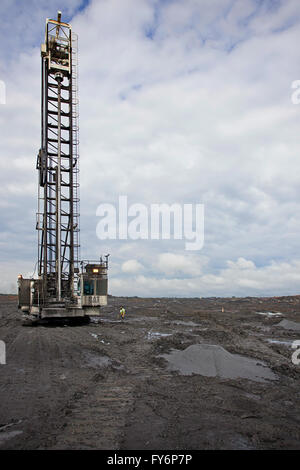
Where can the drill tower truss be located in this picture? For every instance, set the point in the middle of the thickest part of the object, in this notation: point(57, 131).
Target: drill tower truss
point(66, 287)
point(58, 165)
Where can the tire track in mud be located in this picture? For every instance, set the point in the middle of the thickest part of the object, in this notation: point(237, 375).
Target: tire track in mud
point(97, 419)
point(25, 383)
point(33, 390)
point(103, 386)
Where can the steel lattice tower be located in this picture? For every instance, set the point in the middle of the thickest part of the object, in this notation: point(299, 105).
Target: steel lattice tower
point(58, 165)
point(62, 290)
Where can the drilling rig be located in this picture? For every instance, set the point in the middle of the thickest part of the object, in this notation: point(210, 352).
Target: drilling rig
point(65, 286)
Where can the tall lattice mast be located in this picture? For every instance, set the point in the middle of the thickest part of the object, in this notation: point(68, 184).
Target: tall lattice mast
point(58, 165)
point(61, 290)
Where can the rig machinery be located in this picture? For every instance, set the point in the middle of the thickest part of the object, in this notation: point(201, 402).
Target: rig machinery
point(66, 287)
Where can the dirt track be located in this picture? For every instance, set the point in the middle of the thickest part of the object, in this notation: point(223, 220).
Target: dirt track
point(105, 385)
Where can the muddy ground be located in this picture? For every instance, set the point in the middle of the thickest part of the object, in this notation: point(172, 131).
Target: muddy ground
point(109, 385)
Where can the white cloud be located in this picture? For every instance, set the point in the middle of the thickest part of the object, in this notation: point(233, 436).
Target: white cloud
point(131, 266)
point(241, 263)
point(173, 264)
point(272, 279)
point(178, 104)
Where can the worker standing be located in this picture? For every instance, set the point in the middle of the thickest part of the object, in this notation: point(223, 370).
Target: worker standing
point(122, 312)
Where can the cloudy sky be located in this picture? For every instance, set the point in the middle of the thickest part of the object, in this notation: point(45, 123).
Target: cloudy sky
point(181, 101)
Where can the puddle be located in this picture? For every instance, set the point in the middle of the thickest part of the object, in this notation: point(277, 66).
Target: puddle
point(186, 323)
point(112, 320)
point(94, 360)
point(94, 335)
point(276, 341)
point(214, 361)
point(238, 442)
point(143, 319)
point(4, 436)
point(98, 320)
point(156, 334)
point(95, 320)
point(253, 396)
point(289, 325)
point(197, 330)
point(270, 314)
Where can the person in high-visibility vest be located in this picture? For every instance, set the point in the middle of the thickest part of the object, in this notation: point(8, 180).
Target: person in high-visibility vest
point(122, 312)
